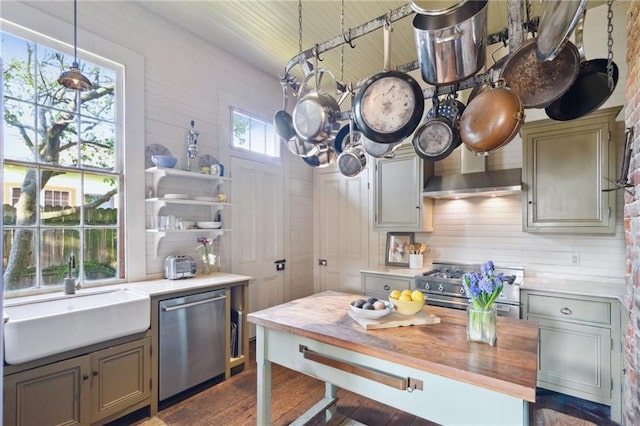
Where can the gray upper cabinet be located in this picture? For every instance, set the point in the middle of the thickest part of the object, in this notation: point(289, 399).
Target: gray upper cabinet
point(398, 201)
point(566, 167)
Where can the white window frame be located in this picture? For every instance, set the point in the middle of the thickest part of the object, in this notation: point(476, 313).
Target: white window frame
point(245, 153)
point(129, 119)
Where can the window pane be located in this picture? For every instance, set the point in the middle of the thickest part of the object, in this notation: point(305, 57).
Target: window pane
point(59, 146)
point(257, 137)
point(100, 193)
point(102, 107)
point(97, 144)
point(241, 129)
point(100, 254)
point(19, 130)
point(272, 142)
point(57, 246)
point(18, 57)
point(49, 92)
point(19, 261)
point(55, 183)
point(25, 179)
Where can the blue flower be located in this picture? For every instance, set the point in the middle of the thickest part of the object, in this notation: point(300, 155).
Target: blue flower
point(483, 289)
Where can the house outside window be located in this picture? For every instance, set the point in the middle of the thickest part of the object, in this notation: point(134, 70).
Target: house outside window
point(63, 181)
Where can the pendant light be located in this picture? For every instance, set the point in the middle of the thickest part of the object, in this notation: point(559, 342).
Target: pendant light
point(73, 79)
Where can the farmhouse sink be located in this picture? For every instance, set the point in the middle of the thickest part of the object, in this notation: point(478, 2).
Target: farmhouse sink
point(47, 327)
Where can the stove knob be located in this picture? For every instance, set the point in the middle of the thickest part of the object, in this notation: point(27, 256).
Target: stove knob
point(427, 286)
point(440, 287)
point(461, 290)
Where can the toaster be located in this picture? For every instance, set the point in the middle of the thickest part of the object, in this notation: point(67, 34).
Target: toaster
point(179, 266)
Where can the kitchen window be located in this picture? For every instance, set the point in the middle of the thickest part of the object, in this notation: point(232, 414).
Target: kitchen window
point(63, 170)
point(253, 134)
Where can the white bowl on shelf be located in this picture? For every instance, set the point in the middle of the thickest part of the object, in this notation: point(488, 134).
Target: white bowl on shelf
point(209, 225)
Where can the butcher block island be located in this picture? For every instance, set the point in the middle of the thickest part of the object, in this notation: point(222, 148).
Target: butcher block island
point(427, 370)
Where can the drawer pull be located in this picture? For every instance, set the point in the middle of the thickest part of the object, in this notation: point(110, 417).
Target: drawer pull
point(386, 287)
point(566, 311)
point(402, 383)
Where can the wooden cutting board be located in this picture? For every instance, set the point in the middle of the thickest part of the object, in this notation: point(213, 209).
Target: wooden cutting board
point(394, 319)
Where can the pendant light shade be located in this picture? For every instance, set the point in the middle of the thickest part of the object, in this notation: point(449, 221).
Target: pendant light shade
point(73, 79)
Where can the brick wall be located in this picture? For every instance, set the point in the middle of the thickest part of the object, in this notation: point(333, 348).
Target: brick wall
point(631, 402)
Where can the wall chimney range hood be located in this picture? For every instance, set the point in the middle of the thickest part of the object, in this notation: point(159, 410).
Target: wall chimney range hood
point(474, 180)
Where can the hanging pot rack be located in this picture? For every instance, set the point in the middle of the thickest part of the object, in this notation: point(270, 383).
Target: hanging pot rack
point(515, 27)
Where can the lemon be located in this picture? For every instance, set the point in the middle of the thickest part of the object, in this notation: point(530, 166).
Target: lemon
point(406, 292)
point(417, 296)
point(405, 297)
point(395, 294)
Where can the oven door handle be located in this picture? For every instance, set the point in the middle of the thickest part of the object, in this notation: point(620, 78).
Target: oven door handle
point(463, 305)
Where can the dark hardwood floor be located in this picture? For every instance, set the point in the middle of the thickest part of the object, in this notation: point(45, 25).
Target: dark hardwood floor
point(233, 403)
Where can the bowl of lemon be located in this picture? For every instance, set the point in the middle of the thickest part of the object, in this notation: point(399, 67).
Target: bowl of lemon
point(407, 302)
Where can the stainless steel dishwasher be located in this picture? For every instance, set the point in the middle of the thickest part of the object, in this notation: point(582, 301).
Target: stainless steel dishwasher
point(191, 340)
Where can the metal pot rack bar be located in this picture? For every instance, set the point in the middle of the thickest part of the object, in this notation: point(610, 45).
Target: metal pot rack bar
point(516, 28)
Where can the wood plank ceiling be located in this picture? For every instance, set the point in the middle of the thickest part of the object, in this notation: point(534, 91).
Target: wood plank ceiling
point(265, 33)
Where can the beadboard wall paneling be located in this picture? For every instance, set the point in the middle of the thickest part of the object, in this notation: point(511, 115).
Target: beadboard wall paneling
point(188, 79)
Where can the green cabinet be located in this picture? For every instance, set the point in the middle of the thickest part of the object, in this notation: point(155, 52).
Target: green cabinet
point(380, 285)
point(579, 349)
point(88, 389)
point(398, 201)
point(566, 167)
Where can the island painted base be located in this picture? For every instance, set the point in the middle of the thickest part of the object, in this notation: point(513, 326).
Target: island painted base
point(430, 396)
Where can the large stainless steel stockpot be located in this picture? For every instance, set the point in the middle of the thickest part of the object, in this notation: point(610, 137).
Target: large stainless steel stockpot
point(451, 44)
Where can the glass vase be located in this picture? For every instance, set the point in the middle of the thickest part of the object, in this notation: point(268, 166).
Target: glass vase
point(209, 264)
point(481, 325)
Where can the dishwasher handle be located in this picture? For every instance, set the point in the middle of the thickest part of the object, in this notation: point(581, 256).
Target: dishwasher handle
point(189, 305)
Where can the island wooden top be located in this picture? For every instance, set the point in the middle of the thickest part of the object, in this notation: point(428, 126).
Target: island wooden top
point(508, 367)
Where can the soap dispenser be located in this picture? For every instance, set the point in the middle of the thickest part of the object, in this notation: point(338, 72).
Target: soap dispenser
point(69, 281)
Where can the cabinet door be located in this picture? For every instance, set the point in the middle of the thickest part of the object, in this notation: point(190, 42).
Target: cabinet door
point(566, 166)
point(55, 394)
point(398, 200)
point(381, 285)
point(120, 378)
point(575, 359)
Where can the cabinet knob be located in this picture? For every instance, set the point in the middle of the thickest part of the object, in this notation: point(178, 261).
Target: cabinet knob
point(386, 287)
point(94, 374)
point(85, 377)
point(566, 311)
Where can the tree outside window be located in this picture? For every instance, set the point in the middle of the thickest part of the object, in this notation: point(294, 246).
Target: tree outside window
point(62, 185)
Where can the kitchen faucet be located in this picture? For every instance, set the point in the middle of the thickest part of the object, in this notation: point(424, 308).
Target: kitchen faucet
point(192, 147)
point(70, 281)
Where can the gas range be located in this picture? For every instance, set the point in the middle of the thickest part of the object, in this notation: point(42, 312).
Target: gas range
point(442, 286)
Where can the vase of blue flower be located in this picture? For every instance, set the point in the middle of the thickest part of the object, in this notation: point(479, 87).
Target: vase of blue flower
point(482, 290)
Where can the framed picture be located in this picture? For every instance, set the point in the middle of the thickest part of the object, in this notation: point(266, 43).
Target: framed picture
point(398, 248)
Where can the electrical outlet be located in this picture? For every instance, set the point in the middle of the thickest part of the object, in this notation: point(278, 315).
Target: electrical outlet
point(575, 259)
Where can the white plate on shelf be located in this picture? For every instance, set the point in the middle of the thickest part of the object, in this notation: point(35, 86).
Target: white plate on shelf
point(176, 196)
point(209, 225)
point(206, 198)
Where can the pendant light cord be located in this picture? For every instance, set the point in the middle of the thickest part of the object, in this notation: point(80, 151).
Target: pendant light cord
point(75, 33)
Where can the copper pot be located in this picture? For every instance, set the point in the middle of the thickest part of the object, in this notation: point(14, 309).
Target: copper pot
point(491, 120)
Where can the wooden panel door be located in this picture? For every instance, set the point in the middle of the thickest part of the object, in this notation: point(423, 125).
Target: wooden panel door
point(120, 378)
point(258, 230)
point(342, 211)
point(55, 394)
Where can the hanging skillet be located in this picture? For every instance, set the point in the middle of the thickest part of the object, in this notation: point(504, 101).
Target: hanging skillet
point(438, 136)
point(390, 104)
point(595, 83)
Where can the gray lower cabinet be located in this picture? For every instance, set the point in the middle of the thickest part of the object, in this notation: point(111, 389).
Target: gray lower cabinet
point(566, 167)
point(398, 201)
point(579, 349)
point(380, 285)
point(89, 389)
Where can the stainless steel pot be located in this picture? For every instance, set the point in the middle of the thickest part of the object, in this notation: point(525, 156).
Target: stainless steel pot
point(315, 116)
point(352, 160)
point(379, 150)
point(323, 158)
point(451, 44)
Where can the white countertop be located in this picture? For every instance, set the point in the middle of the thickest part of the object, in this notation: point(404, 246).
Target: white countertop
point(577, 287)
point(157, 287)
point(397, 271)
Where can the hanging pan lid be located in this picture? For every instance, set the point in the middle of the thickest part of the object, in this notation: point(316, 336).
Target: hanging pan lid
point(558, 20)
